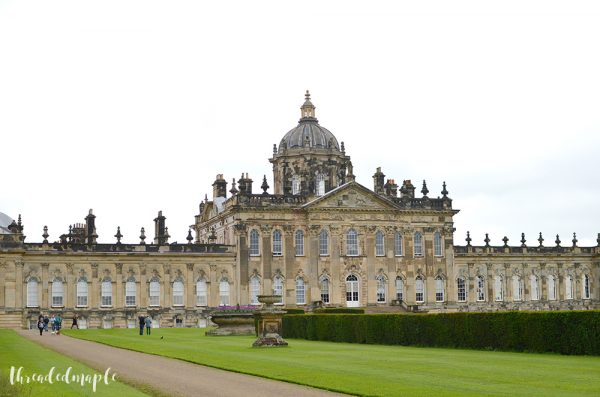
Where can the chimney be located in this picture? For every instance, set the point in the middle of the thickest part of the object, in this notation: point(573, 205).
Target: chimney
point(245, 184)
point(90, 228)
point(407, 190)
point(378, 179)
point(219, 187)
point(391, 189)
point(160, 232)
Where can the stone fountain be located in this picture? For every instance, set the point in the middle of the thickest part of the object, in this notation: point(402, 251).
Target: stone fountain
point(269, 323)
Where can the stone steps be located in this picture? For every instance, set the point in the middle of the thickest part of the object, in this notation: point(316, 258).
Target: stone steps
point(10, 321)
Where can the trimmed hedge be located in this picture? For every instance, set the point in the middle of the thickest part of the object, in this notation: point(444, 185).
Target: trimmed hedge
point(294, 311)
point(568, 332)
point(339, 310)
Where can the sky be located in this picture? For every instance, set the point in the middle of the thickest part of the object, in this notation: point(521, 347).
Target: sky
point(131, 107)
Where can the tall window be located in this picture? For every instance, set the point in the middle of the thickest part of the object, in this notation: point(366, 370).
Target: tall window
point(278, 288)
point(82, 292)
point(480, 288)
point(418, 244)
point(254, 246)
point(254, 289)
point(569, 287)
point(320, 184)
point(300, 291)
point(398, 244)
point(437, 244)
point(399, 288)
point(325, 290)
point(461, 288)
point(551, 288)
point(379, 244)
point(533, 280)
point(299, 243)
point(32, 293)
point(106, 292)
point(439, 289)
point(323, 243)
point(420, 290)
point(517, 288)
point(586, 286)
point(224, 292)
point(498, 288)
point(57, 292)
point(352, 243)
point(154, 292)
point(177, 293)
point(295, 184)
point(130, 292)
point(380, 289)
point(277, 247)
point(201, 293)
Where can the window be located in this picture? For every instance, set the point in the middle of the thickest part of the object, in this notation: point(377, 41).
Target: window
point(299, 243)
point(419, 290)
point(300, 292)
point(130, 292)
point(295, 184)
point(177, 293)
point(461, 289)
point(569, 287)
point(439, 289)
point(380, 289)
point(379, 244)
point(533, 280)
point(586, 287)
point(320, 184)
point(254, 247)
point(517, 288)
point(325, 290)
point(323, 243)
point(498, 288)
point(551, 288)
point(254, 289)
point(352, 290)
point(277, 247)
point(82, 292)
point(32, 293)
point(201, 293)
point(278, 288)
point(399, 288)
point(106, 293)
point(480, 289)
point(418, 244)
point(224, 292)
point(398, 244)
point(352, 243)
point(437, 244)
point(57, 292)
point(154, 292)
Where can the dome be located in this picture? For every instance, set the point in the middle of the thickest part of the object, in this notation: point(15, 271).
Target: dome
point(5, 221)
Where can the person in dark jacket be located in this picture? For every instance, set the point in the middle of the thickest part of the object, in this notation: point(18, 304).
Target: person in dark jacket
point(40, 324)
point(46, 321)
point(148, 325)
point(142, 323)
point(74, 323)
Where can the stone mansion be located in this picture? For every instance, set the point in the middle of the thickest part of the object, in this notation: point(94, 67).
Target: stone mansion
point(318, 238)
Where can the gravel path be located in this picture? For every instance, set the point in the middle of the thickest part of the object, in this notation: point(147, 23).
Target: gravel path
point(171, 376)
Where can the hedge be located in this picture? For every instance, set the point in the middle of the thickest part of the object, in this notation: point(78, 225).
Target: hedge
point(339, 310)
point(568, 332)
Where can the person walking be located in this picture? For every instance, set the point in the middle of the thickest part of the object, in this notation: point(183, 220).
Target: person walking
point(53, 324)
point(58, 323)
point(142, 323)
point(74, 323)
point(46, 321)
point(40, 324)
point(148, 325)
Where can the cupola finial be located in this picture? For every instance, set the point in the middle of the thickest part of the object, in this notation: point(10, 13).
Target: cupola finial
point(307, 111)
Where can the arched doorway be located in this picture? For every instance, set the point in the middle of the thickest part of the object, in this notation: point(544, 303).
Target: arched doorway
point(352, 288)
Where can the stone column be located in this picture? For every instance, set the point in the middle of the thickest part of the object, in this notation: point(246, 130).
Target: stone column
point(143, 286)
point(119, 296)
point(69, 290)
point(44, 285)
point(213, 286)
point(19, 284)
point(2, 283)
point(94, 293)
point(312, 255)
point(190, 302)
point(166, 287)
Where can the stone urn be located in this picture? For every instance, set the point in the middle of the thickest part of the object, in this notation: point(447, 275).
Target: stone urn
point(236, 323)
point(269, 323)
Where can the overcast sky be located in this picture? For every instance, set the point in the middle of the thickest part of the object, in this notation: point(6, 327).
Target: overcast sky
point(131, 107)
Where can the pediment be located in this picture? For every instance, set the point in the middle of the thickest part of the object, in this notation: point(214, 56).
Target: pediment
point(350, 196)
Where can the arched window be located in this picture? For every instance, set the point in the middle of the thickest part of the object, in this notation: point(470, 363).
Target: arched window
point(419, 289)
point(106, 292)
point(323, 243)
point(352, 290)
point(379, 244)
point(224, 292)
point(461, 289)
point(325, 290)
point(569, 287)
point(82, 292)
point(418, 244)
point(154, 292)
point(299, 243)
point(300, 291)
point(585, 287)
point(533, 280)
point(517, 288)
point(551, 288)
point(437, 244)
point(277, 246)
point(32, 293)
point(320, 184)
point(278, 288)
point(130, 292)
point(352, 243)
point(57, 292)
point(254, 243)
point(480, 289)
point(201, 292)
point(399, 288)
point(178, 293)
point(254, 289)
point(499, 288)
point(381, 289)
point(439, 289)
point(295, 184)
point(398, 244)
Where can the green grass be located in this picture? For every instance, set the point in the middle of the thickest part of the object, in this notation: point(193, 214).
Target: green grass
point(373, 369)
point(19, 352)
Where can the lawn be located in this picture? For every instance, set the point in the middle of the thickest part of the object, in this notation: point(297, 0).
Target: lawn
point(372, 369)
point(16, 351)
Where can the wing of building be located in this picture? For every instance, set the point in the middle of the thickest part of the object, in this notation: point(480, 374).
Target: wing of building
point(320, 238)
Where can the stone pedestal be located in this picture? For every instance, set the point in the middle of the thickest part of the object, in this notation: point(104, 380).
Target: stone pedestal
point(270, 323)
